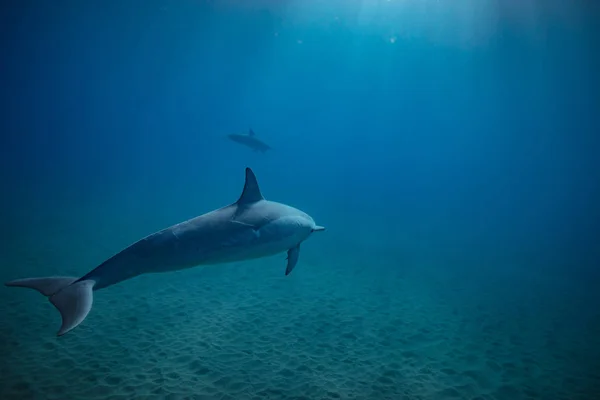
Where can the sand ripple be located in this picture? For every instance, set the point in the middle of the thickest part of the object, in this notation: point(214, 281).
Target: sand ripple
point(327, 332)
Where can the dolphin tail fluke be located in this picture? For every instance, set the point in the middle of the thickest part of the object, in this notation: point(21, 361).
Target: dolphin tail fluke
point(71, 297)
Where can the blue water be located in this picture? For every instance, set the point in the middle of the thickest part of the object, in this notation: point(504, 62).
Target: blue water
point(449, 147)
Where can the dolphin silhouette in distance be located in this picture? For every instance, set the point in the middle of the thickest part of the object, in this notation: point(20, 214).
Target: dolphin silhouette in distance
point(252, 227)
point(250, 140)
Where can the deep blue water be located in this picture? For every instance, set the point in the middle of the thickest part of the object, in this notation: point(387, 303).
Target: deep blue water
point(449, 147)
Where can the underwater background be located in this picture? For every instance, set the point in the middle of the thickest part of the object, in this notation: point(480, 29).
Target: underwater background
point(450, 148)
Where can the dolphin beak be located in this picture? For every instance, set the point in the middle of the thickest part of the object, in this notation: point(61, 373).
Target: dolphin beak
point(318, 228)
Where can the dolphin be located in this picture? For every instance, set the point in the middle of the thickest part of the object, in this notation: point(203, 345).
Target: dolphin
point(251, 141)
point(250, 228)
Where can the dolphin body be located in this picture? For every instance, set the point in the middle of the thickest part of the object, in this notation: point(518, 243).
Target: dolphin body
point(252, 227)
point(250, 140)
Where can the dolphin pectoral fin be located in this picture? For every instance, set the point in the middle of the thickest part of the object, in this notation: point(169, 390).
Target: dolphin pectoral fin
point(250, 132)
point(292, 259)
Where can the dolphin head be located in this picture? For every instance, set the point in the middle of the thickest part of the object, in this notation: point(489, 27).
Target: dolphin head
point(294, 228)
point(307, 225)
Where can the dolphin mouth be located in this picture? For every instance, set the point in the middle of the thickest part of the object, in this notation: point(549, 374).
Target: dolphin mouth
point(318, 229)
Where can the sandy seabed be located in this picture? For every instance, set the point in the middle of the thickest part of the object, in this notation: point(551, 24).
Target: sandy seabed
point(349, 327)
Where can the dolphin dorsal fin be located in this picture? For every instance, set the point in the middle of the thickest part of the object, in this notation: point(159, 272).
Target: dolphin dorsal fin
point(250, 132)
point(251, 193)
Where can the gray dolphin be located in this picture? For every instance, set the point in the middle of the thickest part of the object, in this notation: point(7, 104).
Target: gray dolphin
point(251, 141)
point(252, 227)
